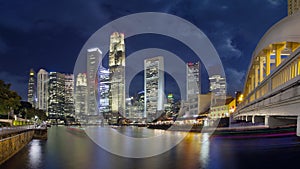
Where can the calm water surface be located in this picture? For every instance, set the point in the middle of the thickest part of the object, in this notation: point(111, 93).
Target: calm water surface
point(69, 149)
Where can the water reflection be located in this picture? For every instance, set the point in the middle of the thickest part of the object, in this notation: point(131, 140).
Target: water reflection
point(68, 149)
point(204, 152)
point(35, 154)
point(134, 147)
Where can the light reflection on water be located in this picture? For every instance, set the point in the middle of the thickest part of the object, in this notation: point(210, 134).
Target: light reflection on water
point(131, 145)
point(204, 152)
point(68, 149)
point(35, 154)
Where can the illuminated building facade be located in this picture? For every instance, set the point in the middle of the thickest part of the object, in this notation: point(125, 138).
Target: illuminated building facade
point(93, 58)
point(31, 95)
point(193, 88)
point(117, 73)
point(69, 95)
point(42, 89)
point(223, 110)
point(81, 95)
point(103, 92)
point(135, 107)
point(153, 87)
point(218, 89)
point(139, 105)
point(56, 101)
point(169, 106)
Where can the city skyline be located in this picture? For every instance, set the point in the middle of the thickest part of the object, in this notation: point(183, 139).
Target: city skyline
point(233, 38)
point(162, 84)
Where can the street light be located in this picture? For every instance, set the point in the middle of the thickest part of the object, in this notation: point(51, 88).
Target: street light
point(241, 98)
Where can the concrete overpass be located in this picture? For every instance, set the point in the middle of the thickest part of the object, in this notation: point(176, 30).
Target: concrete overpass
point(272, 85)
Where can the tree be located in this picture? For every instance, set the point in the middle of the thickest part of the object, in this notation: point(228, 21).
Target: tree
point(26, 111)
point(9, 100)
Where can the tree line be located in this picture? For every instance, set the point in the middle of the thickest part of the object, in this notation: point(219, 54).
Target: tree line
point(11, 104)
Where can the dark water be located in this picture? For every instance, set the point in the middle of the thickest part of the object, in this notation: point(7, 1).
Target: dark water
point(68, 149)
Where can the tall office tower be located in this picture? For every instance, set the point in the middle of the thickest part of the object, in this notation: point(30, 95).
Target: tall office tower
point(42, 89)
point(153, 87)
point(56, 101)
point(218, 89)
point(117, 73)
point(81, 95)
point(31, 95)
point(193, 88)
point(140, 102)
point(103, 92)
point(293, 6)
point(93, 58)
point(69, 108)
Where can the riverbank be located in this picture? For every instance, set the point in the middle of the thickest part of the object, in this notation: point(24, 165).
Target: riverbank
point(13, 139)
point(9, 146)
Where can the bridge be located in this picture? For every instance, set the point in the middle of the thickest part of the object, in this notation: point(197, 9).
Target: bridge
point(272, 86)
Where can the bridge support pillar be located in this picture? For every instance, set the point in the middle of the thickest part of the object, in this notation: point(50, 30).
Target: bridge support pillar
point(298, 126)
point(267, 120)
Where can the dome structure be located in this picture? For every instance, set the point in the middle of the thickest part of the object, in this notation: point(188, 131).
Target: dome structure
point(277, 45)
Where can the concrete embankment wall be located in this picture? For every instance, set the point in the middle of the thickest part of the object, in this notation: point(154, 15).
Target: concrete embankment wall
point(11, 145)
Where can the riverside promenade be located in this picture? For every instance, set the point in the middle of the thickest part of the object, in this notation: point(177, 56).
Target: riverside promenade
point(13, 139)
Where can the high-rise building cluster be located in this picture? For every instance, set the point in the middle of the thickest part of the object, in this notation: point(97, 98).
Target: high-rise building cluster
point(54, 93)
point(100, 91)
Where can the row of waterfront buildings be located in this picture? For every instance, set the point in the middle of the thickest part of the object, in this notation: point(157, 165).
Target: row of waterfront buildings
point(100, 92)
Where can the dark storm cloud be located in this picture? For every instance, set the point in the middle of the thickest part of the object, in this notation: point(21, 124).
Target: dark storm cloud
point(50, 33)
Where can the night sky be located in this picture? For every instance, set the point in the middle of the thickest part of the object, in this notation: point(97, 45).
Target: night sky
point(50, 33)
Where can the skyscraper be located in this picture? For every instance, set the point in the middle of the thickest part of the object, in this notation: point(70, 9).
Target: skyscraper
point(153, 87)
point(69, 95)
point(103, 91)
point(293, 6)
point(81, 95)
point(31, 95)
point(117, 73)
point(193, 87)
point(93, 57)
point(56, 101)
point(218, 89)
point(42, 89)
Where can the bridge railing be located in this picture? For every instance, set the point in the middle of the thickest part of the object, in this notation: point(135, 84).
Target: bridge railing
point(283, 77)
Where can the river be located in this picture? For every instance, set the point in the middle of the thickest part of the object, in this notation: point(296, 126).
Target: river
point(72, 149)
